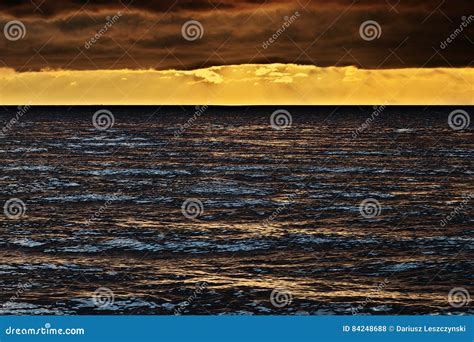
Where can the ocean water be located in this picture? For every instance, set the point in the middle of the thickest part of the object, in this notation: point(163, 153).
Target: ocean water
point(184, 210)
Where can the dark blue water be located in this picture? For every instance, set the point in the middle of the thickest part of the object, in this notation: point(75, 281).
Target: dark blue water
point(214, 211)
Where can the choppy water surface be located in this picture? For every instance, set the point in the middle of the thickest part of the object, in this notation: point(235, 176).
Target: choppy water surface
point(280, 212)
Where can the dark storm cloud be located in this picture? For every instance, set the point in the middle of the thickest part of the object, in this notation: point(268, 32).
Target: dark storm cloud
point(148, 33)
point(51, 8)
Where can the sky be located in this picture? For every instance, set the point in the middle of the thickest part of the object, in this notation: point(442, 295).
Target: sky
point(236, 52)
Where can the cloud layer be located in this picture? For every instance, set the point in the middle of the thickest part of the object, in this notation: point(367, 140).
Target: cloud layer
point(148, 34)
point(240, 84)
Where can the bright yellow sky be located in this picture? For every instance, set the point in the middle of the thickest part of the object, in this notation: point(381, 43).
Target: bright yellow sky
point(248, 84)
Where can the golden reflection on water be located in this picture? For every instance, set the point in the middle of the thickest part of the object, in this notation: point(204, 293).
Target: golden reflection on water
point(280, 210)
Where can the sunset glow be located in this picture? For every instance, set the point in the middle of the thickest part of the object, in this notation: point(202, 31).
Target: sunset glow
point(240, 84)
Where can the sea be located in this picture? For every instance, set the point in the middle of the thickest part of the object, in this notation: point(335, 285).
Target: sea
point(235, 210)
